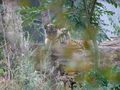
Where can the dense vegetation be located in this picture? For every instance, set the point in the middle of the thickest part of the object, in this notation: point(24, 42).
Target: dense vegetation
point(27, 63)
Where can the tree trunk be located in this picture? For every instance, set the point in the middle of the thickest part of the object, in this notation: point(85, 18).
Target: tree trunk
point(11, 26)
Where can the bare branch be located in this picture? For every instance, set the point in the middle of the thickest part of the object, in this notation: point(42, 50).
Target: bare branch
point(86, 11)
point(92, 9)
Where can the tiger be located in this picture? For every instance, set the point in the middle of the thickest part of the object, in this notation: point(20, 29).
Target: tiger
point(76, 45)
point(61, 35)
point(62, 38)
point(50, 33)
point(68, 51)
point(65, 50)
point(63, 45)
point(55, 35)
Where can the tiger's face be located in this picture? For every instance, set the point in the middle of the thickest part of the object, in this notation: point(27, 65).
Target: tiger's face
point(56, 35)
point(51, 30)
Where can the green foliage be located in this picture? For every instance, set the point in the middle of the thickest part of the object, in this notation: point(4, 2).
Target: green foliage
point(73, 17)
point(1, 72)
point(112, 2)
point(1, 46)
point(2, 66)
point(34, 32)
point(99, 79)
point(76, 20)
point(29, 14)
point(115, 26)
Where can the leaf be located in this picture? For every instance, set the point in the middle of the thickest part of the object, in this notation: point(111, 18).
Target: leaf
point(27, 10)
point(113, 3)
point(115, 69)
point(29, 19)
point(79, 78)
point(100, 4)
point(1, 71)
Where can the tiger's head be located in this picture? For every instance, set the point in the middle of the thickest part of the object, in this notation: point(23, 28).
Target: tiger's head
point(51, 30)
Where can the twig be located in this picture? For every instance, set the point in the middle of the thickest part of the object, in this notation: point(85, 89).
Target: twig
point(92, 9)
point(6, 54)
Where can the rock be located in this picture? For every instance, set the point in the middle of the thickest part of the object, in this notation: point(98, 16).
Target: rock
point(110, 52)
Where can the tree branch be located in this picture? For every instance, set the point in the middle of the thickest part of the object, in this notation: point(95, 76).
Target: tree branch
point(92, 10)
point(87, 11)
point(72, 3)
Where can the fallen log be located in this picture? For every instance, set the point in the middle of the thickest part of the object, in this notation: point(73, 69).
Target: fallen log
point(110, 52)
